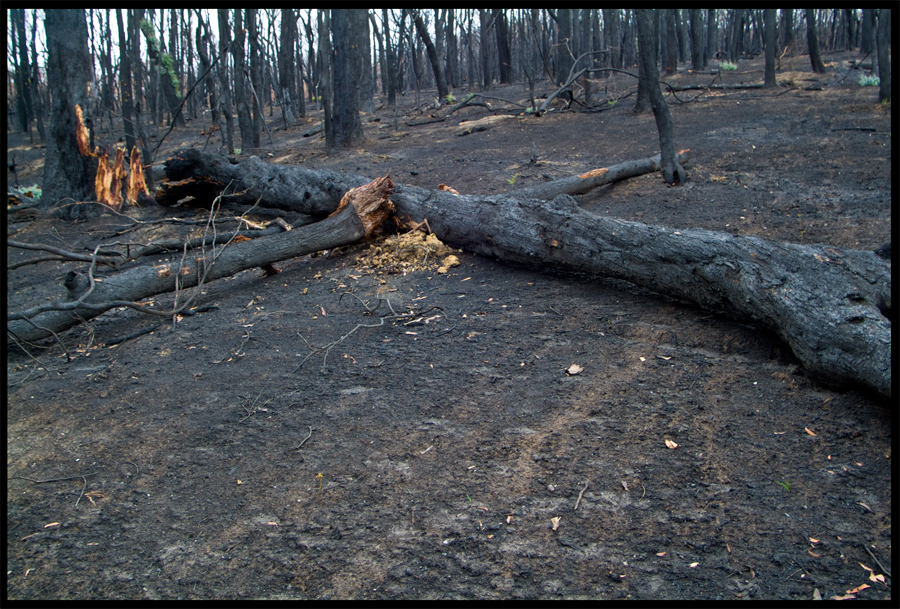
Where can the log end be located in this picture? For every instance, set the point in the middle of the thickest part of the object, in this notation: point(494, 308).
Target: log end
point(371, 202)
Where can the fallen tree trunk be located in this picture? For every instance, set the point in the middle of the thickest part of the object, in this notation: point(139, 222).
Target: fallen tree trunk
point(830, 305)
point(360, 211)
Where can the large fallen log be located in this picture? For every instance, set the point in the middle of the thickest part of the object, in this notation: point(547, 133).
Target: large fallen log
point(831, 305)
point(360, 212)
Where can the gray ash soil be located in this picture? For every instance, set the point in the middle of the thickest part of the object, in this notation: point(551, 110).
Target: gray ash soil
point(430, 460)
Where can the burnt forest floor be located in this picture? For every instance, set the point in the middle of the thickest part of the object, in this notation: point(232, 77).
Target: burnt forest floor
point(457, 458)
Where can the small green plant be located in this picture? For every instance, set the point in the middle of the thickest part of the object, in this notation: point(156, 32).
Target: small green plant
point(512, 180)
point(34, 192)
point(450, 99)
point(869, 81)
point(727, 65)
point(786, 484)
point(611, 102)
point(319, 478)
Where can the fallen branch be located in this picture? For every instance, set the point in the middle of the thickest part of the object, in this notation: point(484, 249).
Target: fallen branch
point(360, 212)
point(581, 184)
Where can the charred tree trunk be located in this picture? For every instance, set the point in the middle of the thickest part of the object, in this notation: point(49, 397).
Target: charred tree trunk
point(347, 30)
point(360, 211)
point(884, 56)
point(673, 173)
point(831, 305)
point(69, 169)
point(437, 65)
point(814, 57)
point(769, 18)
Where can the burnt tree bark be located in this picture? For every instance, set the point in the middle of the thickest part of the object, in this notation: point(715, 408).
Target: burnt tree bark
point(348, 33)
point(831, 305)
point(815, 57)
point(360, 211)
point(673, 173)
point(884, 57)
point(68, 171)
point(437, 65)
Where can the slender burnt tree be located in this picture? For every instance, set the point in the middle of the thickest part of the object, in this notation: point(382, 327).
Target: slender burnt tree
point(673, 172)
point(770, 17)
point(884, 57)
point(437, 65)
point(814, 56)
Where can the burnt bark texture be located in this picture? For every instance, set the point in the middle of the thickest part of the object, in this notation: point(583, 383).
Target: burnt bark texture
point(673, 173)
point(437, 64)
point(884, 56)
point(770, 17)
point(831, 305)
point(348, 27)
point(815, 58)
point(68, 174)
point(359, 212)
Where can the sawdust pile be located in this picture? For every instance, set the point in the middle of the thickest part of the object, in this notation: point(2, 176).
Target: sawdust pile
point(413, 251)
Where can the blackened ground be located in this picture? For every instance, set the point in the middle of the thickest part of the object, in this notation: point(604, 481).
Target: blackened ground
point(457, 458)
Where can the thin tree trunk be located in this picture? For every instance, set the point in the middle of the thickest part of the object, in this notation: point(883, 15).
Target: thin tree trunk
point(814, 57)
point(770, 18)
point(673, 172)
point(884, 56)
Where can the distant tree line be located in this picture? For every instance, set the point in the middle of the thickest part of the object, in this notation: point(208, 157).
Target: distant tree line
point(255, 62)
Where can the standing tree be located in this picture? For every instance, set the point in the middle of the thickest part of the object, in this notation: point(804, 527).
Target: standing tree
point(867, 35)
point(670, 55)
point(167, 77)
point(24, 109)
point(125, 90)
point(485, 49)
point(69, 169)
point(712, 33)
point(286, 65)
point(255, 80)
point(348, 27)
point(698, 59)
point(390, 72)
point(436, 64)
point(241, 95)
point(224, 41)
point(814, 57)
point(503, 52)
point(884, 56)
point(770, 16)
point(673, 172)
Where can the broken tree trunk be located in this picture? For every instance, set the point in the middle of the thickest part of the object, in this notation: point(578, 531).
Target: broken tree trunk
point(830, 305)
point(360, 212)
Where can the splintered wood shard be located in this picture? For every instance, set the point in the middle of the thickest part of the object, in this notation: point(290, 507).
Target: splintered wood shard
point(371, 202)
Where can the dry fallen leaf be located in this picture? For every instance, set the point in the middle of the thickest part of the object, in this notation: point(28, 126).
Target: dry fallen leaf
point(555, 520)
point(809, 431)
point(671, 444)
point(694, 565)
point(574, 369)
point(661, 554)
